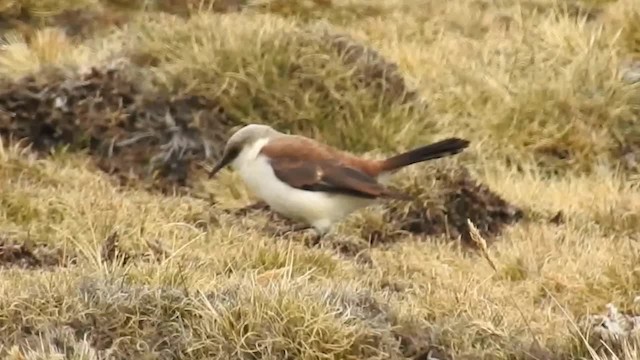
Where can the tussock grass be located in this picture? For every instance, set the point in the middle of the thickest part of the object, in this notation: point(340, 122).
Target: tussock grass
point(51, 48)
point(474, 83)
point(299, 80)
point(537, 87)
point(627, 14)
point(496, 84)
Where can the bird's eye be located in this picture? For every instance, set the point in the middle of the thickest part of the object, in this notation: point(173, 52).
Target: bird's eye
point(233, 151)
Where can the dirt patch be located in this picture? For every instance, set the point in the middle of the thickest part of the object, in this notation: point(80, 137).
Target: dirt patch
point(453, 197)
point(135, 135)
point(15, 253)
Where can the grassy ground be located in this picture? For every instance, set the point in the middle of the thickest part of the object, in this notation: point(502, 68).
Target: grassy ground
point(113, 243)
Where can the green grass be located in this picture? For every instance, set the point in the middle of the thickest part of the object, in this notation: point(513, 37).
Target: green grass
point(535, 85)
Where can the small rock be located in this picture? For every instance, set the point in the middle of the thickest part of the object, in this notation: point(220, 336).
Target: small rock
point(613, 329)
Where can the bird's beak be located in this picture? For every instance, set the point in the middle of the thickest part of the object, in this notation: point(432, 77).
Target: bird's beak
point(227, 157)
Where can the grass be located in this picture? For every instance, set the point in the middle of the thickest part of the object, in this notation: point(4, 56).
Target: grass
point(536, 85)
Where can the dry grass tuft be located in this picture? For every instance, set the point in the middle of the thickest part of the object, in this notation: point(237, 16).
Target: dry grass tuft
point(50, 48)
point(547, 193)
point(533, 86)
point(297, 82)
point(126, 318)
point(76, 18)
point(183, 8)
point(627, 16)
point(338, 12)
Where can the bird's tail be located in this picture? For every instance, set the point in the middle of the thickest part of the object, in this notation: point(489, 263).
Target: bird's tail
point(442, 148)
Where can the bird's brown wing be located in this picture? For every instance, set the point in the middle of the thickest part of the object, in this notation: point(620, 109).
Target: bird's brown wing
point(322, 175)
point(306, 164)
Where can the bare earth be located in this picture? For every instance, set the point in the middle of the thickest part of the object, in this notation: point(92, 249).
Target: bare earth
point(114, 244)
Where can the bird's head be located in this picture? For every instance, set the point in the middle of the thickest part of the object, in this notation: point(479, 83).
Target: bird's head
point(242, 139)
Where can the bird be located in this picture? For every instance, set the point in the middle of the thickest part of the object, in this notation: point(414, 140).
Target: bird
point(312, 183)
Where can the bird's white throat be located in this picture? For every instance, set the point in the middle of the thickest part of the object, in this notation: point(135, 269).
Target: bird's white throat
point(248, 154)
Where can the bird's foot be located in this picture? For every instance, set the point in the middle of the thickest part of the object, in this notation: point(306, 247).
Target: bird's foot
point(311, 239)
point(281, 231)
point(315, 240)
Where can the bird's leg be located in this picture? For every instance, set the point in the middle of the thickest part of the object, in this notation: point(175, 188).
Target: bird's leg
point(316, 239)
point(298, 227)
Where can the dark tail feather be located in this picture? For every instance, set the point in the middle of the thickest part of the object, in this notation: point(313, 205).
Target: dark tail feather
point(446, 147)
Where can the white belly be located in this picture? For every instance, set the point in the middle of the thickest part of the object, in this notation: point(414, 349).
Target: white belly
point(317, 209)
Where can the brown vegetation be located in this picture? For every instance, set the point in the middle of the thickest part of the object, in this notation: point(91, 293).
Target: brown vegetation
point(133, 135)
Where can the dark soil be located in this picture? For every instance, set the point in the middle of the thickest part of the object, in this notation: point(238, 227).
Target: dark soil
point(453, 197)
point(15, 253)
point(139, 137)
